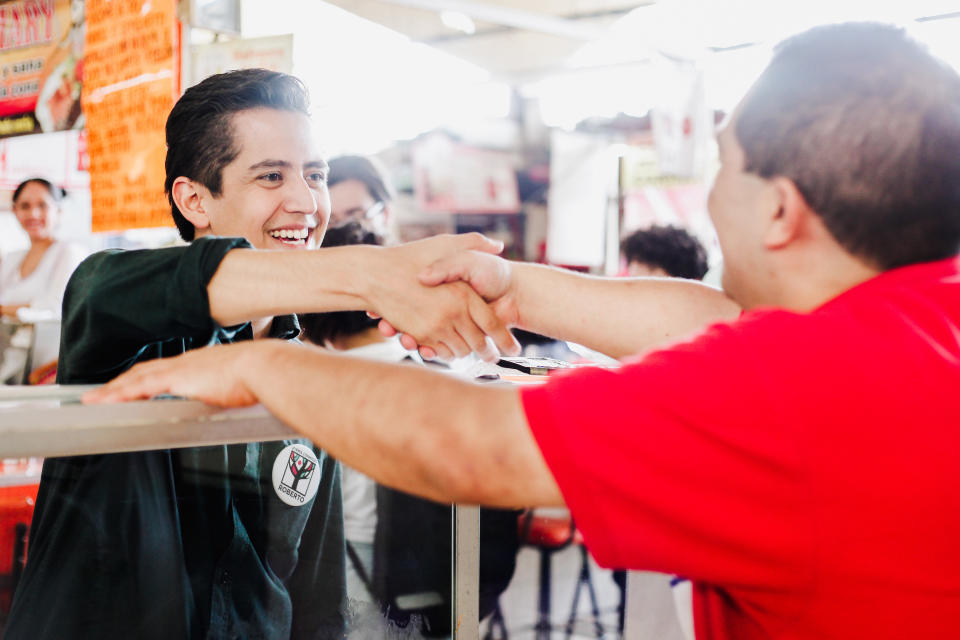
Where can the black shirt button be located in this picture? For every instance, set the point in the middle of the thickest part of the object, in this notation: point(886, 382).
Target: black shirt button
point(225, 577)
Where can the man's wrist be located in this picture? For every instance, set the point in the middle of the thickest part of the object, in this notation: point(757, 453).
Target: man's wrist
point(349, 273)
point(259, 359)
point(364, 268)
point(517, 294)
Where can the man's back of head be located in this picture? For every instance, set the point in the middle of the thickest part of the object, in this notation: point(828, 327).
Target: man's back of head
point(665, 251)
point(866, 123)
point(200, 136)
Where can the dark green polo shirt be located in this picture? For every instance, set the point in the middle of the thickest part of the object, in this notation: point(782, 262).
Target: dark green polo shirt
point(184, 543)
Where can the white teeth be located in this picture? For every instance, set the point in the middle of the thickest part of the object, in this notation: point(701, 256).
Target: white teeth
point(290, 234)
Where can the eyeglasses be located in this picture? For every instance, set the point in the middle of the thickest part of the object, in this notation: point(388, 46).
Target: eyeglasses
point(369, 213)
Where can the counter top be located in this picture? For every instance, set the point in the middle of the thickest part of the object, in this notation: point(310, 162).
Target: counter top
point(50, 421)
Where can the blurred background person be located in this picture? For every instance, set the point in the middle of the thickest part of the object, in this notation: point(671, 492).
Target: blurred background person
point(361, 191)
point(664, 251)
point(356, 332)
point(398, 545)
point(32, 282)
point(36, 277)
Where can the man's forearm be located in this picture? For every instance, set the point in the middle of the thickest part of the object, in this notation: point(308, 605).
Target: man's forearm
point(615, 316)
point(416, 430)
point(252, 284)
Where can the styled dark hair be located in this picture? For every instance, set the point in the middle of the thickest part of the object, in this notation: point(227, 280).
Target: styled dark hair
point(866, 123)
point(318, 328)
point(366, 170)
point(200, 140)
point(56, 192)
point(669, 248)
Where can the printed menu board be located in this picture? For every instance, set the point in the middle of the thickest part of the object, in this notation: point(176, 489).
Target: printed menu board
point(131, 79)
point(41, 65)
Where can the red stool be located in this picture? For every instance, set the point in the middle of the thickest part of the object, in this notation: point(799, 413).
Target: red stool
point(16, 512)
point(550, 534)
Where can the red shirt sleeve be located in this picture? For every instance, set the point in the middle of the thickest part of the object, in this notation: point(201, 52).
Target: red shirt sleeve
point(685, 460)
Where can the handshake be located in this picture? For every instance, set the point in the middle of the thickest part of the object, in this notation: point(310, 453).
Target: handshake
point(445, 295)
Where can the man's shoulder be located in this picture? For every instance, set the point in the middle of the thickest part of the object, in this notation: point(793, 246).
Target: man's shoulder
point(97, 259)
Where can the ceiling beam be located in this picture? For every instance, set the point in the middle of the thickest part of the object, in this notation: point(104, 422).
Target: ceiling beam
point(605, 14)
point(507, 17)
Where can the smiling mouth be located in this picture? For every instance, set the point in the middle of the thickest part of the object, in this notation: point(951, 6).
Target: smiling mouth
point(291, 236)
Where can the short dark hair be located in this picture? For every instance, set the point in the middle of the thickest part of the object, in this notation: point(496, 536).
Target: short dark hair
point(866, 123)
point(366, 170)
point(200, 140)
point(56, 192)
point(672, 249)
point(318, 328)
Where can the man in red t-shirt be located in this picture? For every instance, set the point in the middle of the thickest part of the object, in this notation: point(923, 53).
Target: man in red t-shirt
point(797, 458)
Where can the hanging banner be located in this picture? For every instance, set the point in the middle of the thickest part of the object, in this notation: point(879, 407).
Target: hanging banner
point(583, 172)
point(681, 121)
point(41, 65)
point(131, 79)
point(274, 53)
point(451, 177)
point(59, 157)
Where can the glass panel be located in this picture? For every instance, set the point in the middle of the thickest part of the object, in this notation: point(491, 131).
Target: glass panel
point(256, 526)
point(538, 579)
point(399, 562)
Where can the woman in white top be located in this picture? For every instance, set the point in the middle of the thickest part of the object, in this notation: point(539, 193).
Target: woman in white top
point(36, 278)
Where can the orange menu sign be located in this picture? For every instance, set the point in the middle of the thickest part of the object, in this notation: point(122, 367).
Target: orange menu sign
point(131, 79)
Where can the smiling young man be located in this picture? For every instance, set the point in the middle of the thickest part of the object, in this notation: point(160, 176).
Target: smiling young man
point(808, 486)
point(203, 542)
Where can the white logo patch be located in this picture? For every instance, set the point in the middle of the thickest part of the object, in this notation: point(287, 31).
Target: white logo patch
point(295, 475)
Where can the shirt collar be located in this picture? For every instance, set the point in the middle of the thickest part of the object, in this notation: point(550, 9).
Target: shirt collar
point(284, 327)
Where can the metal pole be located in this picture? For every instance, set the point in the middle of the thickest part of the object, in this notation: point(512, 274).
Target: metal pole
point(466, 573)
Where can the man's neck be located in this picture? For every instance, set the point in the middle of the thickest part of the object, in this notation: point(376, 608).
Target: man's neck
point(819, 279)
point(261, 327)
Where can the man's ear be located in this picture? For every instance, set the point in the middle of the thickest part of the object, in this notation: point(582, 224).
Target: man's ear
point(188, 196)
point(787, 223)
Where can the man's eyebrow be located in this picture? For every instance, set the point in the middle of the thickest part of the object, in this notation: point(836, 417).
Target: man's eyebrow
point(269, 164)
point(316, 164)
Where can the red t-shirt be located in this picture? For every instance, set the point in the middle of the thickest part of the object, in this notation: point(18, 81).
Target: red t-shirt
point(802, 469)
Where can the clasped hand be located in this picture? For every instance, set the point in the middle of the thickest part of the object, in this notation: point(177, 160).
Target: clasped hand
point(453, 319)
point(472, 270)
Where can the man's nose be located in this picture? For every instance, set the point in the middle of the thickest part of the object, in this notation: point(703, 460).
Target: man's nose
point(300, 198)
